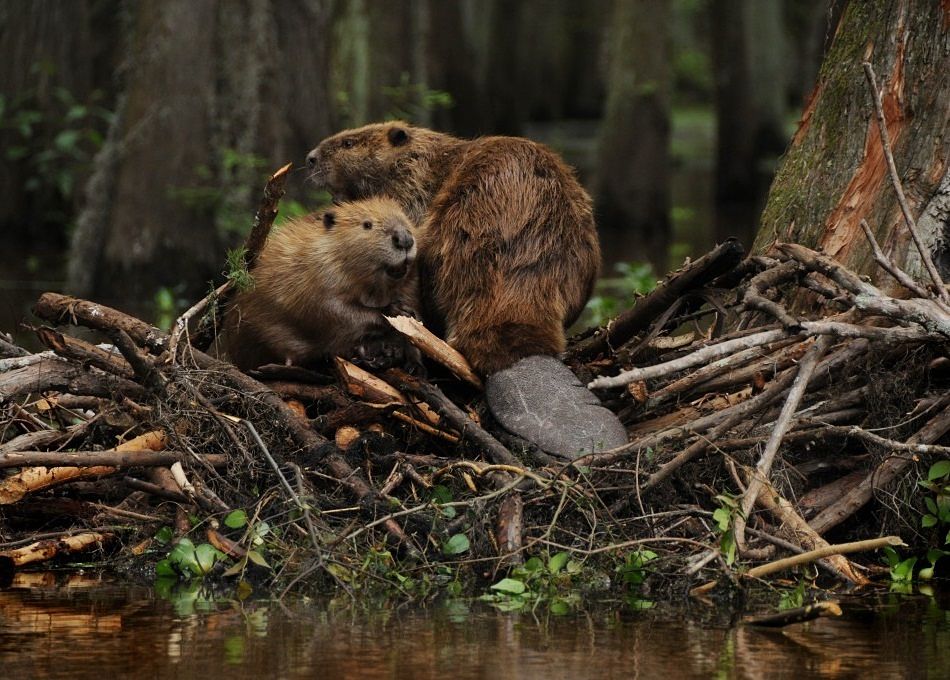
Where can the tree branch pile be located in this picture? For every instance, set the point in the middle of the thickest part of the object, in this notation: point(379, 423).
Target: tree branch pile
point(786, 391)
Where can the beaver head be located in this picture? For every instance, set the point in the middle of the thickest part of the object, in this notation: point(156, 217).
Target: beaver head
point(393, 159)
point(374, 235)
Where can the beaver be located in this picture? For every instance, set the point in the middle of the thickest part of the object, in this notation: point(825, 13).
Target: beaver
point(322, 284)
point(508, 258)
point(509, 255)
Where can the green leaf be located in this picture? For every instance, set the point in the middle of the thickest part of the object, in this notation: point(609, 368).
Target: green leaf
point(257, 559)
point(928, 521)
point(165, 535)
point(456, 545)
point(531, 565)
point(559, 608)
point(164, 569)
point(722, 517)
point(509, 585)
point(236, 519)
point(939, 469)
point(556, 563)
point(206, 555)
point(931, 505)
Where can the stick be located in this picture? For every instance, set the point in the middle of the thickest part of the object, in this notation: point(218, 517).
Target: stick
point(807, 557)
point(799, 615)
point(125, 458)
point(805, 370)
point(898, 187)
point(885, 262)
point(455, 416)
point(719, 261)
point(435, 348)
point(722, 349)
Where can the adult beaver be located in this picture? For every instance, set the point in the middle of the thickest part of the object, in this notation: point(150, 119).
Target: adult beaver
point(508, 258)
point(322, 284)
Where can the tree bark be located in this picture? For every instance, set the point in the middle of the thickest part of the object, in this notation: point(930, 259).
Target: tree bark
point(633, 176)
point(213, 95)
point(834, 174)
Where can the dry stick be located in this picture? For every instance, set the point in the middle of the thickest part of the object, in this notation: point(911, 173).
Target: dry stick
point(263, 222)
point(84, 352)
point(468, 428)
point(898, 187)
point(737, 415)
point(754, 297)
point(140, 458)
point(928, 314)
point(809, 328)
point(180, 327)
point(724, 258)
point(885, 262)
point(805, 370)
point(807, 557)
point(53, 373)
point(797, 529)
point(889, 469)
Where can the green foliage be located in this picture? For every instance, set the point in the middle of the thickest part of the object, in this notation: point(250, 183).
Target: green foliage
point(937, 504)
point(188, 561)
point(550, 582)
point(237, 269)
point(54, 137)
point(901, 570)
point(168, 303)
point(724, 517)
point(456, 545)
point(633, 572)
point(614, 294)
point(411, 101)
point(793, 598)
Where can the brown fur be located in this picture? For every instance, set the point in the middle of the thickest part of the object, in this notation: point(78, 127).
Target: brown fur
point(322, 284)
point(509, 254)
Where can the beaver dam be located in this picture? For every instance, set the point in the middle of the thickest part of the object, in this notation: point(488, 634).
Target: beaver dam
point(777, 407)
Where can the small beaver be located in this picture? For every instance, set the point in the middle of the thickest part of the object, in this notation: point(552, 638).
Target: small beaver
point(509, 252)
point(322, 284)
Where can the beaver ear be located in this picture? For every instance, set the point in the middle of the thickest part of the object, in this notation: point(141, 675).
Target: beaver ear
point(329, 218)
point(398, 136)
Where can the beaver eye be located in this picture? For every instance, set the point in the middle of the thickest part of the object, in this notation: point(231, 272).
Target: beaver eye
point(367, 225)
point(347, 143)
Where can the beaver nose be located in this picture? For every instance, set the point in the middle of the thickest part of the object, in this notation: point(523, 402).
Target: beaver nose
point(312, 159)
point(402, 239)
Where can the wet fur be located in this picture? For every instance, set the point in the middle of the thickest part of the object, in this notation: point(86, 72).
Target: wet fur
point(509, 252)
point(321, 287)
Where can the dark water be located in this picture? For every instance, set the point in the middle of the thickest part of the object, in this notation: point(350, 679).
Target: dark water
point(79, 627)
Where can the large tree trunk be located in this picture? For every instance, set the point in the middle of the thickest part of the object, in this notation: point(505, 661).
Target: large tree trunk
point(632, 184)
point(213, 94)
point(834, 175)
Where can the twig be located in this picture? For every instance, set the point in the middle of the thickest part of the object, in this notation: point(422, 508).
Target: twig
point(717, 351)
point(899, 274)
point(810, 556)
point(805, 370)
point(941, 290)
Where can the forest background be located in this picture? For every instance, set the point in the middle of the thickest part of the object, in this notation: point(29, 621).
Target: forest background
point(135, 136)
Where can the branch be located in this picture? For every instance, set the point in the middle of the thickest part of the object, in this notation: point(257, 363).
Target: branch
point(899, 189)
point(805, 370)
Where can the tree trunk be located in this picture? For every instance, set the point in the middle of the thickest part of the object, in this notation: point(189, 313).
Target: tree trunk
point(633, 187)
point(214, 94)
point(834, 174)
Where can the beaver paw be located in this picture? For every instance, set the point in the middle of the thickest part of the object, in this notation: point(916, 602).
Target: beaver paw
point(380, 353)
point(541, 400)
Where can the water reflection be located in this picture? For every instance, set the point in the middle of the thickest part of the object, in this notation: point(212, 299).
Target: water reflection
point(78, 627)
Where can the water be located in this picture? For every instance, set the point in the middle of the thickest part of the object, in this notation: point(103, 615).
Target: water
point(55, 626)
